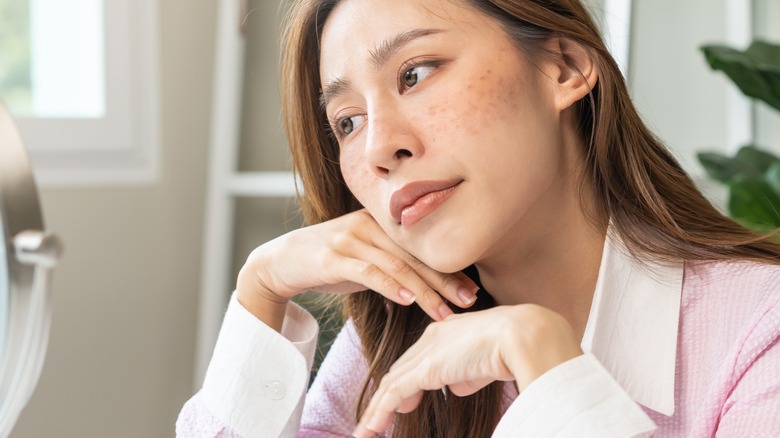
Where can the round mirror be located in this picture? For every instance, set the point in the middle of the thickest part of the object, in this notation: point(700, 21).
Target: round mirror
point(27, 256)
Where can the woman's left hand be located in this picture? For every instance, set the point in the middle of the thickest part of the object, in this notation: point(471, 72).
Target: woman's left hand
point(467, 352)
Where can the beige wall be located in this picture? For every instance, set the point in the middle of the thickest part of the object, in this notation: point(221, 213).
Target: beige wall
point(263, 146)
point(120, 360)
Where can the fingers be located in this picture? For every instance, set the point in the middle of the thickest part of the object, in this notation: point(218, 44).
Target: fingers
point(353, 253)
point(401, 390)
point(399, 281)
point(457, 287)
point(392, 396)
point(469, 387)
point(410, 403)
point(467, 352)
point(456, 353)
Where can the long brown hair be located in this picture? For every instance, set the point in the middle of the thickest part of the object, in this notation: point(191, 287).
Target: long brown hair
point(652, 205)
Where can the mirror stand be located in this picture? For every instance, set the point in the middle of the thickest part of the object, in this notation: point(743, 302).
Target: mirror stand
point(28, 255)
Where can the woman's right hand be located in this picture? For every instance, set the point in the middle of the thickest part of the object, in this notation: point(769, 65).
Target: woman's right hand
point(344, 255)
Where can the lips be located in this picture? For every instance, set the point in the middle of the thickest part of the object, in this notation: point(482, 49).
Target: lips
point(416, 200)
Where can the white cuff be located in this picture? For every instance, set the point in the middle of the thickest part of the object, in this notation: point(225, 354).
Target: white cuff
point(577, 398)
point(257, 377)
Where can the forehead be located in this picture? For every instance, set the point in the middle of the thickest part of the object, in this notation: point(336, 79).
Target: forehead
point(357, 28)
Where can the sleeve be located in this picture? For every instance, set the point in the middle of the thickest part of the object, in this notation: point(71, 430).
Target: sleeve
point(257, 378)
point(331, 404)
point(578, 398)
point(753, 407)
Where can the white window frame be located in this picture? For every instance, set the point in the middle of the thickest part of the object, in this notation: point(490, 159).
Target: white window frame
point(123, 146)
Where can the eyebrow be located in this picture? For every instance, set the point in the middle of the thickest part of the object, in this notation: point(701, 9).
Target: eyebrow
point(388, 48)
point(379, 58)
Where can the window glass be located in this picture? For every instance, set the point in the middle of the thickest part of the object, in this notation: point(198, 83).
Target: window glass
point(15, 55)
point(53, 58)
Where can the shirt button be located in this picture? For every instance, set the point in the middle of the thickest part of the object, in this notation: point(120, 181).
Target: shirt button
point(275, 390)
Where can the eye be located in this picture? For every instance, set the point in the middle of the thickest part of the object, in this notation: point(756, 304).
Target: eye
point(346, 125)
point(414, 75)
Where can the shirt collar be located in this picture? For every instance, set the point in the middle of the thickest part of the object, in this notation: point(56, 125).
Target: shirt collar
point(632, 326)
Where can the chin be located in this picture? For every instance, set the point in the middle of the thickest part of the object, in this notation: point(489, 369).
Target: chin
point(446, 261)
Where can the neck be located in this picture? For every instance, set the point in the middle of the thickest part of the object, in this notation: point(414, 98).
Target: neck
point(559, 272)
point(551, 258)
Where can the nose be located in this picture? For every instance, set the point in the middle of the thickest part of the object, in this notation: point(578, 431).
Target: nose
point(390, 141)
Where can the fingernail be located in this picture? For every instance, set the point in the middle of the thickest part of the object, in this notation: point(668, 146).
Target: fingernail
point(407, 296)
point(373, 425)
point(466, 296)
point(444, 311)
point(361, 431)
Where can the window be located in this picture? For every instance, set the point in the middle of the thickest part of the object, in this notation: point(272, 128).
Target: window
point(80, 78)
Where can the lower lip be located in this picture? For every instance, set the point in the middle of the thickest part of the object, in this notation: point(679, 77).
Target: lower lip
point(424, 206)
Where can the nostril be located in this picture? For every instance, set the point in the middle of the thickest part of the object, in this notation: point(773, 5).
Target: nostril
point(403, 153)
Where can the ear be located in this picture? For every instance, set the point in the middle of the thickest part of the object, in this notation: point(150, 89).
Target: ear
point(574, 71)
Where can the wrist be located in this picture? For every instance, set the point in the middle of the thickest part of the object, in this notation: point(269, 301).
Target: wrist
point(259, 300)
point(540, 341)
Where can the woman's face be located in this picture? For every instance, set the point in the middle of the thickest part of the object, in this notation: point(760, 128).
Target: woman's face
point(448, 135)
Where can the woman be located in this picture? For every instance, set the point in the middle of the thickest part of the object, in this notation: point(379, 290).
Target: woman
point(448, 143)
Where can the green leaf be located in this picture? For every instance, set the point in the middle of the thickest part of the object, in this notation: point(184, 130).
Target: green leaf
point(718, 167)
point(754, 203)
point(766, 55)
point(772, 177)
point(756, 71)
point(755, 161)
point(750, 161)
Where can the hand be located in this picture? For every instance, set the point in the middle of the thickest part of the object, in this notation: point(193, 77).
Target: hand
point(344, 255)
point(466, 352)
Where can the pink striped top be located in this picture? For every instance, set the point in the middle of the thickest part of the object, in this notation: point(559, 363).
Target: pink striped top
point(727, 378)
point(695, 347)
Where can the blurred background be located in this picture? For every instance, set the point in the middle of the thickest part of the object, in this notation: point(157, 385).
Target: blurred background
point(136, 172)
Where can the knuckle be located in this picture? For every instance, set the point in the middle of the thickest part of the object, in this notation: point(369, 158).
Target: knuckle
point(341, 240)
point(388, 283)
point(360, 219)
point(429, 295)
point(415, 262)
point(431, 373)
point(448, 282)
point(327, 258)
point(368, 269)
point(388, 385)
point(399, 267)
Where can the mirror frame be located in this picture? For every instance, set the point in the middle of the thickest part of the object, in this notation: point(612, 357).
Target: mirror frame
point(27, 257)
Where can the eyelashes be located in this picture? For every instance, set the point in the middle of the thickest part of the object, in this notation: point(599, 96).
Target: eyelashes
point(414, 72)
point(346, 125)
point(410, 75)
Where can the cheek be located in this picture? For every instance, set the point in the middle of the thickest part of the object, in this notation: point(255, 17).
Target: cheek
point(358, 178)
point(486, 102)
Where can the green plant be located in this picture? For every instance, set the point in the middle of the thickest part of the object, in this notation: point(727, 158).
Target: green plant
point(752, 175)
